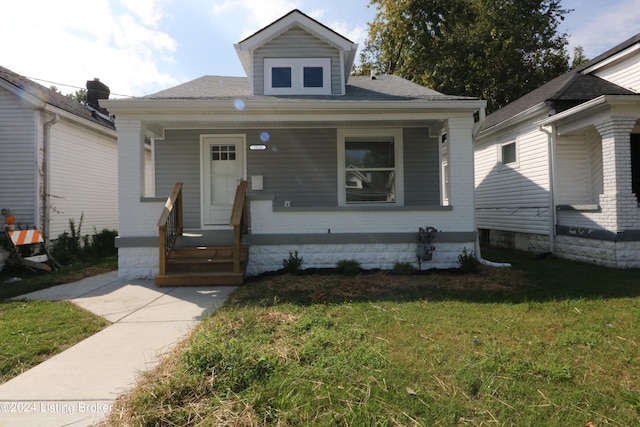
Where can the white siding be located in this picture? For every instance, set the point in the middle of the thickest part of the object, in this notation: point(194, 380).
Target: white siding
point(17, 158)
point(625, 73)
point(83, 179)
point(296, 43)
point(513, 198)
point(573, 171)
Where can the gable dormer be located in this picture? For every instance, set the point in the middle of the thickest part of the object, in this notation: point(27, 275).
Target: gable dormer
point(297, 55)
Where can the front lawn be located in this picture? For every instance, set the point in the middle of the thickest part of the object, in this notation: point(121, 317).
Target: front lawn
point(546, 343)
point(33, 331)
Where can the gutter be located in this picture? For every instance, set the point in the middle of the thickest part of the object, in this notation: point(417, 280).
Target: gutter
point(45, 175)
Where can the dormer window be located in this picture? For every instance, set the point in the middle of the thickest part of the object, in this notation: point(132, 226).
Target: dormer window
point(297, 76)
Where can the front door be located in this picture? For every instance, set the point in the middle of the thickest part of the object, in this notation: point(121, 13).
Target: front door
point(222, 169)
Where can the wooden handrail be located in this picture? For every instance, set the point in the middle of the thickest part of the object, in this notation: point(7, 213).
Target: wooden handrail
point(238, 221)
point(170, 224)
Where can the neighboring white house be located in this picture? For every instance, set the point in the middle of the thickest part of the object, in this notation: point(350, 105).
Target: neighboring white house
point(338, 167)
point(58, 158)
point(558, 170)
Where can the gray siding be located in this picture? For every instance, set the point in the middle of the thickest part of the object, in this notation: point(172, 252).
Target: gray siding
point(17, 158)
point(421, 168)
point(300, 166)
point(296, 43)
point(178, 159)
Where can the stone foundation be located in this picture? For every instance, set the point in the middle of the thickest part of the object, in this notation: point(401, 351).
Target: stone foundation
point(370, 256)
point(535, 243)
point(600, 252)
point(138, 263)
point(608, 253)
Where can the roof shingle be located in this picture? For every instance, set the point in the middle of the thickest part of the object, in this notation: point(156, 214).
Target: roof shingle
point(52, 98)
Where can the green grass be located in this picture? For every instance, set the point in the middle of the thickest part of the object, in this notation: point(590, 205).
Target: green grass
point(33, 331)
point(546, 343)
point(36, 280)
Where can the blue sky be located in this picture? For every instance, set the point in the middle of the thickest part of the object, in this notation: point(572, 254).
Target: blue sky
point(138, 47)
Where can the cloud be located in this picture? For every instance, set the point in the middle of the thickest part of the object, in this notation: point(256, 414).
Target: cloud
point(256, 14)
point(121, 45)
point(598, 26)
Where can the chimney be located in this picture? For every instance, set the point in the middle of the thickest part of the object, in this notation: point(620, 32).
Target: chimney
point(97, 90)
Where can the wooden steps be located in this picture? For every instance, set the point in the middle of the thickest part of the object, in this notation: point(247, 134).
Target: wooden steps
point(203, 266)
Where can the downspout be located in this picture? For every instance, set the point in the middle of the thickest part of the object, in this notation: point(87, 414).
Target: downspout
point(551, 141)
point(477, 127)
point(45, 175)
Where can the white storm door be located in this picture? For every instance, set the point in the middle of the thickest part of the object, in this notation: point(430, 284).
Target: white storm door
point(222, 169)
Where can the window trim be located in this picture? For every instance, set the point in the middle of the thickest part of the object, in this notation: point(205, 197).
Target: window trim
point(511, 165)
point(297, 66)
point(396, 134)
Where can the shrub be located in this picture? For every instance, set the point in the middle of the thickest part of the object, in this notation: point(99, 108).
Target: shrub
point(468, 261)
point(348, 267)
point(72, 246)
point(293, 264)
point(403, 269)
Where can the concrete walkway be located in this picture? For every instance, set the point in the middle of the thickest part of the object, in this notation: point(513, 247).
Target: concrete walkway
point(78, 386)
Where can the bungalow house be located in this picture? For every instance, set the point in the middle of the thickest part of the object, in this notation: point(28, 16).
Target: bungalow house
point(58, 158)
point(558, 170)
point(299, 156)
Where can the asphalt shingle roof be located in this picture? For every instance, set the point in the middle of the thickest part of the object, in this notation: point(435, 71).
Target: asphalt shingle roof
point(359, 88)
point(52, 98)
point(573, 86)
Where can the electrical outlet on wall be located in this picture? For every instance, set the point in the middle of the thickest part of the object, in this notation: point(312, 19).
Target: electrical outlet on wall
point(287, 203)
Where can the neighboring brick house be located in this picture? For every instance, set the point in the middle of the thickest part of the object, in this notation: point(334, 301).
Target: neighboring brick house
point(58, 158)
point(338, 167)
point(558, 170)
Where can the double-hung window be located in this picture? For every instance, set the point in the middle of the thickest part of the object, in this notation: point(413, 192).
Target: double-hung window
point(370, 167)
point(297, 76)
point(508, 154)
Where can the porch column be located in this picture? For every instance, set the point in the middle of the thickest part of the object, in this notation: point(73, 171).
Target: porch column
point(619, 204)
point(461, 172)
point(130, 177)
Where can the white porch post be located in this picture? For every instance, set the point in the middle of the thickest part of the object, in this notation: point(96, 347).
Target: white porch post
point(461, 172)
point(619, 204)
point(130, 176)
point(138, 231)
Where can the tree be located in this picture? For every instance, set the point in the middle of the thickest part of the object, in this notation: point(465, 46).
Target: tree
point(78, 96)
point(578, 57)
point(497, 50)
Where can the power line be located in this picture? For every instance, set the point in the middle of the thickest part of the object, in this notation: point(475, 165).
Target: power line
point(72, 86)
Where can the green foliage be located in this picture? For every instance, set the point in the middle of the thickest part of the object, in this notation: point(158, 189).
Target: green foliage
point(71, 246)
point(293, 264)
point(493, 49)
point(403, 269)
point(468, 261)
point(349, 267)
